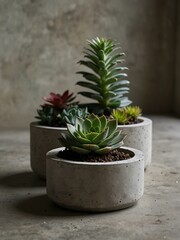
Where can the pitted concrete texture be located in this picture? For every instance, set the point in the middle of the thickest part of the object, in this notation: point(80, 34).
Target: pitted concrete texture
point(26, 212)
point(41, 42)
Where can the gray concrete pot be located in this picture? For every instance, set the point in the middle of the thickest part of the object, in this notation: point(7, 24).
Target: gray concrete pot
point(95, 187)
point(139, 136)
point(42, 139)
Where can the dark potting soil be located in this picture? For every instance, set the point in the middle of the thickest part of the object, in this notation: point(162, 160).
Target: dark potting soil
point(114, 155)
point(134, 121)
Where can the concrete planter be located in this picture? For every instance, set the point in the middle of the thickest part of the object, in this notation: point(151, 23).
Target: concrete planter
point(42, 139)
point(139, 136)
point(95, 187)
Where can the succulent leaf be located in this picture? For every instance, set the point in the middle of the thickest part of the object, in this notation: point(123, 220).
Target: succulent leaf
point(91, 147)
point(80, 150)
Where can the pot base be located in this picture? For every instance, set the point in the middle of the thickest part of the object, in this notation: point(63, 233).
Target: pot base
point(84, 209)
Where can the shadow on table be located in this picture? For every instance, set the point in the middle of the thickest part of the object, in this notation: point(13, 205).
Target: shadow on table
point(22, 180)
point(42, 206)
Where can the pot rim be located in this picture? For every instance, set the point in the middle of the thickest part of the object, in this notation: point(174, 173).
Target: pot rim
point(37, 125)
point(145, 121)
point(138, 156)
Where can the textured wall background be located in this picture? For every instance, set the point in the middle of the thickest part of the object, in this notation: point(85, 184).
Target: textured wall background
point(177, 55)
point(41, 41)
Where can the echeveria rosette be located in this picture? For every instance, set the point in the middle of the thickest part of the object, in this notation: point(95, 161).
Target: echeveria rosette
point(106, 80)
point(70, 114)
point(92, 134)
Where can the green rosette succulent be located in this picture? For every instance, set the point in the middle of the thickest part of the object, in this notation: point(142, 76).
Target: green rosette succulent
point(92, 134)
point(50, 116)
point(70, 114)
point(106, 80)
point(127, 115)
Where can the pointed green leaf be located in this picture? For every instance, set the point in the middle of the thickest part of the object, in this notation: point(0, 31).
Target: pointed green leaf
point(104, 150)
point(83, 140)
point(86, 125)
point(90, 65)
point(101, 136)
point(79, 122)
point(93, 58)
point(112, 124)
point(90, 136)
point(89, 76)
point(96, 123)
point(89, 85)
point(103, 121)
point(92, 95)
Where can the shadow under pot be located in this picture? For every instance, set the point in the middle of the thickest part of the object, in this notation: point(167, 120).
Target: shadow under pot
point(93, 186)
point(139, 136)
point(42, 140)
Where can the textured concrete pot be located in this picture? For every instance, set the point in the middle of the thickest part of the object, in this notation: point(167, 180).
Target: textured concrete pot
point(42, 139)
point(95, 187)
point(139, 136)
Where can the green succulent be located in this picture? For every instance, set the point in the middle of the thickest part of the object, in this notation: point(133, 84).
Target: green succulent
point(133, 111)
point(120, 115)
point(127, 115)
point(92, 134)
point(54, 117)
point(50, 113)
point(70, 114)
point(106, 79)
point(49, 116)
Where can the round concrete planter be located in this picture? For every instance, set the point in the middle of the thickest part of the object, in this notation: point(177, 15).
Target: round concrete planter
point(139, 136)
point(42, 139)
point(95, 187)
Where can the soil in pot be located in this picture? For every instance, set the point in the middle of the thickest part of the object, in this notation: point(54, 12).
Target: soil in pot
point(112, 156)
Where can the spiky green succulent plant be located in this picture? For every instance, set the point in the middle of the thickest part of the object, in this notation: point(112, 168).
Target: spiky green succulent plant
point(49, 116)
point(106, 79)
point(127, 115)
point(53, 117)
point(92, 134)
point(70, 114)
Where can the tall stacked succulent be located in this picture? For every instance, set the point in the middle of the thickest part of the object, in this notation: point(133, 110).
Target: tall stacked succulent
point(106, 79)
point(92, 134)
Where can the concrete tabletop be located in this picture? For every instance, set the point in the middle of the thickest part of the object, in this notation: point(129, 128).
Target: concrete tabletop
point(27, 213)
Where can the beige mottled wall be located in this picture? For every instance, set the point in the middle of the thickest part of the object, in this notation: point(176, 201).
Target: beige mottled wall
point(41, 41)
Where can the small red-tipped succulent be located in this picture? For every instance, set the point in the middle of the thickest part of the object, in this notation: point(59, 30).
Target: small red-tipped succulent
point(59, 101)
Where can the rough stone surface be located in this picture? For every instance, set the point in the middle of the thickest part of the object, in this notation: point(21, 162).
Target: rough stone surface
point(26, 212)
point(42, 40)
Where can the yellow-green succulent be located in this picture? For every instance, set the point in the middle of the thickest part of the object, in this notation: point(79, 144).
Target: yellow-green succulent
point(126, 115)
